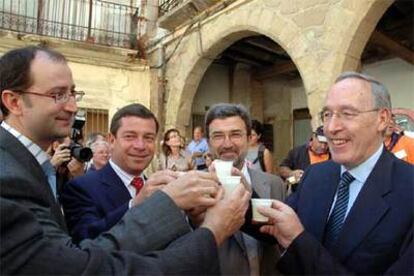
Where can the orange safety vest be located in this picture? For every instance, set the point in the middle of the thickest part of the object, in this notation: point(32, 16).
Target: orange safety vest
point(314, 158)
point(403, 148)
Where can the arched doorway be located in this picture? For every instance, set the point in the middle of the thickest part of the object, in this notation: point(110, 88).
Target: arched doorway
point(258, 73)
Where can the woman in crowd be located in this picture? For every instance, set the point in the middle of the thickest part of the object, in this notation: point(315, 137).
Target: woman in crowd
point(258, 156)
point(173, 156)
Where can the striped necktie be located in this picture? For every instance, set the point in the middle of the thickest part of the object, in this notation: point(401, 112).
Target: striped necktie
point(337, 218)
point(50, 172)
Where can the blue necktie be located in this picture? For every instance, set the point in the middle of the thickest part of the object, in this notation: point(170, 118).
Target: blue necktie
point(336, 220)
point(51, 175)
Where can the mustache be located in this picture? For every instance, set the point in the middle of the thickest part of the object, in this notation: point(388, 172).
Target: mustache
point(227, 151)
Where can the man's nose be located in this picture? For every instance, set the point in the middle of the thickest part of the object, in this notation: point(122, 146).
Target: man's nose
point(71, 105)
point(333, 124)
point(139, 143)
point(227, 141)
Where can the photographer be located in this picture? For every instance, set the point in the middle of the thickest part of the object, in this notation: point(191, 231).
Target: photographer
point(67, 167)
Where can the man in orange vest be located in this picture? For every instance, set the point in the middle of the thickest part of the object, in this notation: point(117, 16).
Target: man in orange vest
point(299, 158)
point(398, 143)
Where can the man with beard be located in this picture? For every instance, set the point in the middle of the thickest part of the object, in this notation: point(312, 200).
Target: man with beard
point(228, 127)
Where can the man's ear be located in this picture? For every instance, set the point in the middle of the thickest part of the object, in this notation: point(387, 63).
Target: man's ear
point(12, 101)
point(384, 117)
point(111, 138)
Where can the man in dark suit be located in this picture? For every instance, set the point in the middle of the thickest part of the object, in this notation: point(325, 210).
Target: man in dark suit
point(25, 250)
point(354, 214)
point(38, 100)
point(96, 201)
point(228, 127)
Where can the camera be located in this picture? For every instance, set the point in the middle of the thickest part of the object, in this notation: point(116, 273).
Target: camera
point(82, 154)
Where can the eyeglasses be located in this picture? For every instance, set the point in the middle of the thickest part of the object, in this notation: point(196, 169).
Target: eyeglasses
point(345, 115)
point(219, 137)
point(60, 98)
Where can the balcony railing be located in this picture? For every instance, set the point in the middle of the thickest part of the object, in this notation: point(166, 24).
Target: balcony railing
point(94, 21)
point(167, 5)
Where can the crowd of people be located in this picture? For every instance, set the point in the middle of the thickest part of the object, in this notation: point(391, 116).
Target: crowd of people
point(342, 203)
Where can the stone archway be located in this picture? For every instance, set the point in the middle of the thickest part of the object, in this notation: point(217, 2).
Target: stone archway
point(350, 38)
point(187, 67)
point(323, 38)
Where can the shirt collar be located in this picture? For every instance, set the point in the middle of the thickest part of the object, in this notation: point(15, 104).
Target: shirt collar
point(199, 141)
point(362, 171)
point(246, 174)
point(123, 175)
point(40, 155)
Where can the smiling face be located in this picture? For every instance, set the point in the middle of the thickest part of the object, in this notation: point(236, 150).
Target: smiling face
point(317, 146)
point(101, 155)
point(353, 140)
point(133, 146)
point(174, 139)
point(40, 118)
point(197, 134)
point(228, 140)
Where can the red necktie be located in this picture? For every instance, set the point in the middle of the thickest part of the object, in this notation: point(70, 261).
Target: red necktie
point(137, 182)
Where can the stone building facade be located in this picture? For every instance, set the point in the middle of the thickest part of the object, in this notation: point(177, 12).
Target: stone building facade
point(322, 38)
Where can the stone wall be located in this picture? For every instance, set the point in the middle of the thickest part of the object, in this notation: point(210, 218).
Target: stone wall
point(322, 37)
point(109, 77)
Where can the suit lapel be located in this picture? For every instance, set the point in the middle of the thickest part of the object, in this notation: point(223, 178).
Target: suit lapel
point(368, 208)
point(21, 153)
point(12, 145)
point(113, 185)
point(259, 184)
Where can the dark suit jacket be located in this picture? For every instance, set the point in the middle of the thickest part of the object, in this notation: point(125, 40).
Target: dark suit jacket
point(94, 202)
point(26, 250)
point(232, 253)
point(23, 181)
point(377, 233)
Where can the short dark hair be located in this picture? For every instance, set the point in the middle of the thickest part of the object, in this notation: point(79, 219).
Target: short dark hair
point(15, 69)
point(225, 110)
point(319, 131)
point(198, 127)
point(134, 110)
point(257, 127)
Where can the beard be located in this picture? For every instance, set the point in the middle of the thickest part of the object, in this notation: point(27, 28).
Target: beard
point(238, 162)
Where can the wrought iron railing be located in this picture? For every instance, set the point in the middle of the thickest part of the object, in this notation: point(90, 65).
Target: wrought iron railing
point(94, 21)
point(167, 5)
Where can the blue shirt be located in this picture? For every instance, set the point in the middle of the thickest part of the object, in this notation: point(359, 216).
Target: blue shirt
point(200, 146)
point(360, 173)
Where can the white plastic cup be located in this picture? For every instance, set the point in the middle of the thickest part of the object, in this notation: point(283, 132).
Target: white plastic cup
point(292, 179)
point(256, 202)
point(223, 168)
point(229, 184)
